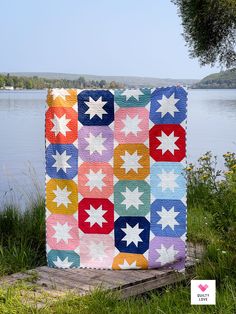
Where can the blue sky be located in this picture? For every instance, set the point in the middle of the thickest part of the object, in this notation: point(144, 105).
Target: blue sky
point(122, 37)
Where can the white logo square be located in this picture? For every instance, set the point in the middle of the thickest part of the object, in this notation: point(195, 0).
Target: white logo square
point(203, 292)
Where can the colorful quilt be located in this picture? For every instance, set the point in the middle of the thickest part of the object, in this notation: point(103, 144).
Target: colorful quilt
point(115, 187)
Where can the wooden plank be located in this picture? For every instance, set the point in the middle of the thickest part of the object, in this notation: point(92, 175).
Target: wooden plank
point(74, 273)
point(146, 280)
point(65, 280)
point(149, 285)
point(107, 279)
point(94, 280)
point(115, 276)
point(17, 276)
point(85, 282)
point(56, 282)
point(123, 276)
point(80, 275)
point(86, 276)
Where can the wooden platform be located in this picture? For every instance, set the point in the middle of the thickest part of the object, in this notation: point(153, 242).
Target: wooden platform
point(56, 282)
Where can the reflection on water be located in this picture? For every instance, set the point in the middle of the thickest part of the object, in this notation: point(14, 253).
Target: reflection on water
point(22, 144)
point(211, 126)
point(211, 122)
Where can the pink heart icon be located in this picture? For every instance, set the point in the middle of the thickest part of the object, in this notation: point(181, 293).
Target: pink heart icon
point(203, 288)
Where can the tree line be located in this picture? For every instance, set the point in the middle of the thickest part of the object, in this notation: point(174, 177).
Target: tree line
point(35, 82)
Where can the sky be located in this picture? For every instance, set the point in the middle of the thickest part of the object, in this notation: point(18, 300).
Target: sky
point(119, 37)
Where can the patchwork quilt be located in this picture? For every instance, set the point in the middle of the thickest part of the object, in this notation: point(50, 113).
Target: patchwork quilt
point(115, 187)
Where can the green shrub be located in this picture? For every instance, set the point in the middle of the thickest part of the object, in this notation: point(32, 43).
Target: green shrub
point(215, 192)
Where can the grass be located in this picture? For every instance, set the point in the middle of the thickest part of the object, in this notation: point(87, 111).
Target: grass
point(199, 226)
point(22, 239)
point(211, 221)
point(171, 300)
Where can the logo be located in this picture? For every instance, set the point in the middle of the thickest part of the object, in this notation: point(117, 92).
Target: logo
point(203, 292)
point(203, 288)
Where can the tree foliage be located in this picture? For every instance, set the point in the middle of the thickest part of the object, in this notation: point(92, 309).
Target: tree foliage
point(210, 30)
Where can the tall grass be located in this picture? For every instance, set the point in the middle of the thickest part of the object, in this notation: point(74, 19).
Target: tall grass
point(22, 237)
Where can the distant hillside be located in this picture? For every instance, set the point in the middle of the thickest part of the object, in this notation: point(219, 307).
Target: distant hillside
point(223, 79)
point(130, 81)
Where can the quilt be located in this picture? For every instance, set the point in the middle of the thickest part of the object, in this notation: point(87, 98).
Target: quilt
point(115, 184)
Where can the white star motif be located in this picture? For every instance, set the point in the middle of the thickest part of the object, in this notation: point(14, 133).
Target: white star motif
point(60, 125)
point(167, 142)
point(132, 198)
point(59, 92)
point(168, 180)
point(61, 161)
point(97, 251)
point(168, 218)
point(168, 105)
point(95, 107)
point(132, 234)
point(62, 232)
point(166, 255)
point(131, 162)
point(126, 265)
point(95, 143)
point(62, 196)
point(131, 125)
point(128, 93)
point(95, 179)
point(62, 263)
point(96, 216)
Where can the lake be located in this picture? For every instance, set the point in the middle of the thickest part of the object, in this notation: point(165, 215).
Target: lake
point(211, 126)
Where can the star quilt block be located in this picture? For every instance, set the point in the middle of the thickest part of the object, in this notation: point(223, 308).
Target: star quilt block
point(115, 183)
point(168, 218)
point(61, 126)
point(168, 105)
point(96, 215)
point(96, 107)
point(131, 125)
point(96, 180)
point(96, 143)
point(61, 161)
point(132, 198)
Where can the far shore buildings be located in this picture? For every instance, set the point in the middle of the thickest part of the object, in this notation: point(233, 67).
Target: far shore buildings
point(8, 88)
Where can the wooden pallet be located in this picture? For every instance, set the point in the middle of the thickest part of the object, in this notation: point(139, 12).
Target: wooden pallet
point(57, 282)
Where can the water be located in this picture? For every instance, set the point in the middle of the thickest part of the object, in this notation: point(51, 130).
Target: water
point(211, 126)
